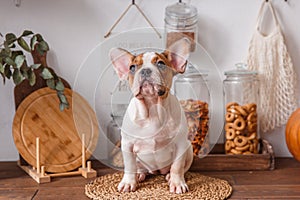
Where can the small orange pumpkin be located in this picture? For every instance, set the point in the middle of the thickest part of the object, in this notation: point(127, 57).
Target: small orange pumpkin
point(292, 134)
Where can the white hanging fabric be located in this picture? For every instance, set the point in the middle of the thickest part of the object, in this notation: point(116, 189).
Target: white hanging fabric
point(269, 56)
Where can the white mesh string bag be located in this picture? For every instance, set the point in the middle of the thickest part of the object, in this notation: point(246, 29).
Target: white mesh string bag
point(269, 56)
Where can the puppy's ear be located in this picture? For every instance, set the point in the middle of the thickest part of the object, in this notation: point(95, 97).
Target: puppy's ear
point(121, 60)
point(178, 54)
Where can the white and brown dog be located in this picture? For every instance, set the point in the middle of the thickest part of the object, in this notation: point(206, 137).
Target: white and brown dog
point(154, 131)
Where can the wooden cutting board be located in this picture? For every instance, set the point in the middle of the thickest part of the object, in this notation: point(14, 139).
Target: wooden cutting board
point(59, 131)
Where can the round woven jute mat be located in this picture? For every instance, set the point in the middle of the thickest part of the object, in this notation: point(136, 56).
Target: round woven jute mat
point(156, 187)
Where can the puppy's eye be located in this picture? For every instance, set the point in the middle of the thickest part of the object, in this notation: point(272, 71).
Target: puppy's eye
point(132, 68)
point(161, 65)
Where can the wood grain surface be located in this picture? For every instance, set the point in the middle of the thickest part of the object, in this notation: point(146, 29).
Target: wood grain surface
point(281, 183)
point(59, 131)
point(22, 90)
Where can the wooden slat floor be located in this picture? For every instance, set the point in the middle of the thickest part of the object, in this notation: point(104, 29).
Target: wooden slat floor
point(281, 183)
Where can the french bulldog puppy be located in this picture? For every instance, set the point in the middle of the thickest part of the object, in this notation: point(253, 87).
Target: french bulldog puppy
point(154, 131)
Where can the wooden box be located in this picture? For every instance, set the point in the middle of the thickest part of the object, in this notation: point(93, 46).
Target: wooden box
point(217, 160)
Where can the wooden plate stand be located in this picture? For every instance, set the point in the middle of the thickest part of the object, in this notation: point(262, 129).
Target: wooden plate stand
point(39, 175)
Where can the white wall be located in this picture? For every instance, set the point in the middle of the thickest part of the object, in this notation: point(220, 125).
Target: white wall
point(74, 28)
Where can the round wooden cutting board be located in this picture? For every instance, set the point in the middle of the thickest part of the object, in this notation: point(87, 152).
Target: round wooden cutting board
point(59, 132)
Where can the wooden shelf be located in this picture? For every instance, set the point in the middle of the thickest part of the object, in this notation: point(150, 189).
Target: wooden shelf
point(218, 161)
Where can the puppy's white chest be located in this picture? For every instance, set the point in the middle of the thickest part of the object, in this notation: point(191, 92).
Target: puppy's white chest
point(151, 144)
point(153, 135)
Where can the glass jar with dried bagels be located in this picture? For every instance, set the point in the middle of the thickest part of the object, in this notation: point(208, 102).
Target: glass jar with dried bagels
point(181, 21)
point(241, 96)
point(192, 92)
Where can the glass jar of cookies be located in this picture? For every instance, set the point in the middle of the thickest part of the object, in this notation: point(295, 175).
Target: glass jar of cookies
point(192, 92)
point(241, 96)
point(181, 21)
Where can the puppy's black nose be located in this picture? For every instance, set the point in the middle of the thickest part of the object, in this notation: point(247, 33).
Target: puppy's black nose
point(146, 72)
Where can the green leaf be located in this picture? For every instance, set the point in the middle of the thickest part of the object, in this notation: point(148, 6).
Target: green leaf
point(62, 97)
point(14, 54)
point(6, 46)
point(46, 74)
point(17, 76)
point(51, 83)
point(24, 67)
point(4, 53)
point(25, 72)
point(63, 100)
point(7, 71)
point(12, 45)
point(39, 37)
point(10, 38)
point(26, 33)
point(35, 66)
point(1, 68)
point(9, 61)
point(43, 46)
point(63, 106)
point(3, 77)
point(31, 77)
point(33, 41)
point(59, 86)
point(19, 60)
point(23, 44)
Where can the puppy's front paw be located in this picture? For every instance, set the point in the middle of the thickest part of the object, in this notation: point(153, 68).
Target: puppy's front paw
point(141, 177)
point(128, 183)
point(177, 184)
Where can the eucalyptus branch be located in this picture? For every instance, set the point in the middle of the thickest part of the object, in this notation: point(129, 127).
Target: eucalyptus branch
point(13, 63)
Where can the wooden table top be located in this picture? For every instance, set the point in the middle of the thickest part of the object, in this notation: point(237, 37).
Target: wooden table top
point(281, 183)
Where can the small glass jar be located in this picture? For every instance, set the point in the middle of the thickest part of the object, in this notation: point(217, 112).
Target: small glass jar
point(241, 99)
point(181, 21)
point(114, 156)
point(192, 92)
point(120, 98)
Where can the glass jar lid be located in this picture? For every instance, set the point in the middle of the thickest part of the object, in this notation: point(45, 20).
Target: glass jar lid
point(181, 15)
point(241, 70)
point(192, 74)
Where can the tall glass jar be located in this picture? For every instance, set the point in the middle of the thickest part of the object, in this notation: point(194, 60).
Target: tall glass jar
point(191, 90)
point(241, 98)
point(181, 21)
